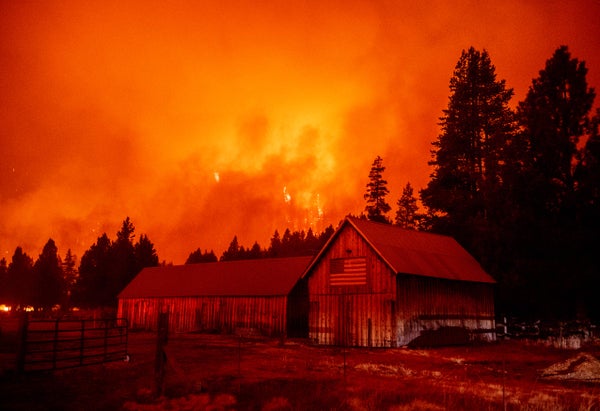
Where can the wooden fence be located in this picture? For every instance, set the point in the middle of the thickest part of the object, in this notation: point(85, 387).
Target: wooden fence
point(46, 345)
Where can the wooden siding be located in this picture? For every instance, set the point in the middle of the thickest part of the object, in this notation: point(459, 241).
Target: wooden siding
point(359, 315)
point(266, 315)
point(425, 303)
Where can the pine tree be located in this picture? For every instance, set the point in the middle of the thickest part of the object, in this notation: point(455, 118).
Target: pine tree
point(21, 280)
point(377, 207)
point(123, 262)
point(70, 274)
point(275, 247)
point(406, 216)
point(3, 281)
point(94, 286)
point(144, 253)
point(467, 157)
point(554, 117)
point(232, 252)
point(50, 284)
point(552, 236)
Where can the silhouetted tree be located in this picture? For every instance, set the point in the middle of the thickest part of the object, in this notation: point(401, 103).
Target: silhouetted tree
point(552, 235)
point(587, 177)
point(94, 288)
point(107, 267)
point(325, 235)
point(255, 252)
point(406, 215)
point(21, 279)
point(3, 281)
point(311, 242)
point(554, 116)
point(70, 274)
point(144, 253)
point(467, 157)
point(275, 247)
point(232, 252)
point(123, 262)
point(377, 207)
point(49, 283)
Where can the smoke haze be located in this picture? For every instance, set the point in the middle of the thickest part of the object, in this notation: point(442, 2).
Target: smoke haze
point(203, 120)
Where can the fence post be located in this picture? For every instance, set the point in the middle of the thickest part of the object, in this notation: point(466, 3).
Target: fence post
point(161, 356)
point(82, 344)
point(55, 344)
point(22, 342)
point(105, 339)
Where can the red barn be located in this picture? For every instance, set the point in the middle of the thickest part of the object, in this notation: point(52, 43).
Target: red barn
point(380, 285)
point(264, 295)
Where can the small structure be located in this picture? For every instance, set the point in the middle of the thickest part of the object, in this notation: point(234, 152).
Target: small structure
point(379, 285)
point(262, 296)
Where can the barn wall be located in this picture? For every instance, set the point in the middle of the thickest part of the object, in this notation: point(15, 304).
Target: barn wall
point(428, 303)
point(266, 315)
point(352, 315)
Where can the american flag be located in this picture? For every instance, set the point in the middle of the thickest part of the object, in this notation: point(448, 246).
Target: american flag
point(348, 271)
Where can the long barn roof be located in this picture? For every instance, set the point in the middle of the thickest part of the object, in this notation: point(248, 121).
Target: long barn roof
point(261, 277)
point(415, 252)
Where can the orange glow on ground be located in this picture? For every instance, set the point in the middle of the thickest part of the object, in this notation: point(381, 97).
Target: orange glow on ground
point(127, 109)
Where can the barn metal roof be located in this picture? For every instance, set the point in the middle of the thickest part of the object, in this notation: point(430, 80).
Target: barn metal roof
point(415, 252)
point(261, 277)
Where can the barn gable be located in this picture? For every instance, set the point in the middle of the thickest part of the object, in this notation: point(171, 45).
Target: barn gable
point(221, 296)
point(375, 284)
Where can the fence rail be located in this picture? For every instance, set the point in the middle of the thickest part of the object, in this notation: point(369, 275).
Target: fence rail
point(58, 344)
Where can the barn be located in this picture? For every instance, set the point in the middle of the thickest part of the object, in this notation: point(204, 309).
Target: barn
point(263, 296)
point(379, 285)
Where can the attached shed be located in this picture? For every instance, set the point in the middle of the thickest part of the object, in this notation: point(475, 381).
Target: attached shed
point(263, 295)
point(379, 285)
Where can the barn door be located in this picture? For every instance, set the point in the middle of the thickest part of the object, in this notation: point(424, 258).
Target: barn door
point(343, 328)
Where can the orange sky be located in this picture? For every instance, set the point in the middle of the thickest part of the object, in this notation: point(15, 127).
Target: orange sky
point(192, 118)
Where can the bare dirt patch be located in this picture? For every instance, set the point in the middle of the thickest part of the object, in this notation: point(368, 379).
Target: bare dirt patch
point(228, 373)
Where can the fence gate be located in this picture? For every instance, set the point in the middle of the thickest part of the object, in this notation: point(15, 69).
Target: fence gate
point(57, 344)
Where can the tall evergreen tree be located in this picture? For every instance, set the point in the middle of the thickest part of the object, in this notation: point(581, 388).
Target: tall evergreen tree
point(50, 283)
point(94, 288)
point(468, 156)
point(124, 264)
point(554, 116)
point(70, 273)
point(552, 234)
point(255, 251)
point(144, 253)
point(377, 207)
point(587, 177)
point(275, 246)
point(3, 281)
point(232, 252)
point(21, 280)
point(406, 215)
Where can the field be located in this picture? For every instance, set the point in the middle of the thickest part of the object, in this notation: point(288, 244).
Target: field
point(216, 372)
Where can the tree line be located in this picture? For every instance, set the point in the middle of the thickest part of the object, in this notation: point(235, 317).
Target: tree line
point(292, 244)
point(519, 188)
point(52, 282)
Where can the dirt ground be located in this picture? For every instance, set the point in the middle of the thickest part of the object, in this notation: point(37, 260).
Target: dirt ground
point(215, 372)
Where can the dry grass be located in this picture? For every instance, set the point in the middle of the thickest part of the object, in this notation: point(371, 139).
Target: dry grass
point(211, 372)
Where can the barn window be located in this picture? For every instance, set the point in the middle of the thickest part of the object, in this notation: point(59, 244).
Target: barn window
point(348, 271)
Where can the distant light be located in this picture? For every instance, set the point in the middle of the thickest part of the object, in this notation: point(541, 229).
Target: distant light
point(217, 176)
point(286, 196)
point(5, 308)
